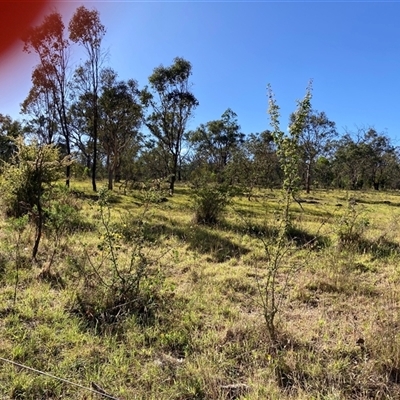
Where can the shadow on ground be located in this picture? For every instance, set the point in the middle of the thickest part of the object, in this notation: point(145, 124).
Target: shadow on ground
point(202, 239)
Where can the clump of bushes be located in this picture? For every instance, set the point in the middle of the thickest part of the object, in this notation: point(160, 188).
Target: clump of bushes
point(351, 225)
point(118, 280)
point(29, 177)
point(28, 183)
point(209, 203)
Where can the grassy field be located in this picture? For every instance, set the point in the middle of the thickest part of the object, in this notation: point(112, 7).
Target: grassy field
point(137, 299)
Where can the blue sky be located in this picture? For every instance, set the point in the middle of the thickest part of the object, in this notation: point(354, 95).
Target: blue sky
point(351, 50)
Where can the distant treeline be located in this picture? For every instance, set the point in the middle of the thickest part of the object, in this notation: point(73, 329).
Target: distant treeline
point(113, 129)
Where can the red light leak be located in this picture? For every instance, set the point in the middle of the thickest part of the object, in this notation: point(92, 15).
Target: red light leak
point(15, 18)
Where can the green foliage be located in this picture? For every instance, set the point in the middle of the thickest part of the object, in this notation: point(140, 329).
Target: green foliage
point(351, 225)
point(9, 131)
point(217, 141)
point(121, 281)
point(287, 147)
point(259, 166)
point(209, 203)
point(62, 214)
point(172, 104)
point(367, 161)
point(314, 141)
point(323, 174)
point(278, 250)
point(153, 192)
point(62, 218)
point(86, 28)
point(28, 181)
point(29, 176)
point(120, 119)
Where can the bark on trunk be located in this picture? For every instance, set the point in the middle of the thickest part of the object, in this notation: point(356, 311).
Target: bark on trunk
point(308, 178)
point(94, 148)
point(110, 174)
point(38, 235)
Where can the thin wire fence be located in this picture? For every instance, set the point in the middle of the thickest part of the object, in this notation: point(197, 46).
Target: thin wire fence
point(94, 389)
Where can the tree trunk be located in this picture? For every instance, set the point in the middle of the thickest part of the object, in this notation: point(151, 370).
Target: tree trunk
point(173, 175)
point(117, 173)
point(64, 123)
point(94, 146)
point(39, 224)
point(94, 168)
point(172, 185)
point(68, 173)
point(308, 178)
point(110, 173)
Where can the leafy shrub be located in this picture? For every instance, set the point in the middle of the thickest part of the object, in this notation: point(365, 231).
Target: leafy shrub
point(120, 281)
point(28, 183)
point(134, 229)
point(209, 203)
point(29, 176)
point(351, 225)
point(153, 192)
point(62, 214)
point(103, 305)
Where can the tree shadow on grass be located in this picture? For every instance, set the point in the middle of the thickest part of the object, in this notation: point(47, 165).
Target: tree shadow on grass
point(299, 236)
point(378, 248)
point(377, 202)
point(203, 239)
point(114, 198)
point(302, 238)
point(254, 229)
point(220, 248)
point(79, 194)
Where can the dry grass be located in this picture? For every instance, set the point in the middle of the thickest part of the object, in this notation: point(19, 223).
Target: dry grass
point(338, 326)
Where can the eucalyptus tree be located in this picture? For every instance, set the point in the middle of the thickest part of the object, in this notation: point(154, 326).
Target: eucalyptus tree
point(86, 29)
point(379, 153)
point(171, 104)
point(264, 169)
point(10, 130)
point(317, 134)
point(41, 122)
point(120, 115)
point(216, 141)
point(348, 164)
point(81, 117)
point(48, 98)
point(364, 159)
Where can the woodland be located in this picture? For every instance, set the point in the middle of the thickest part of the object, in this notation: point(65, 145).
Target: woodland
point(143, 260)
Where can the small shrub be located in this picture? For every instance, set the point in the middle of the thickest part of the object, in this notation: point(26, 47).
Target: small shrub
point(210, 203)
point(153, 192)
point(16, 227)
point(29, 176)
point(28, 183)
point(280, 265)
point(63, 213)
point(351, 225)
point(119, 282)
point(133, 229)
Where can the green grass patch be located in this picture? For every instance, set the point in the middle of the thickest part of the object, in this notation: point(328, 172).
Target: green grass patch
point(193, 327)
